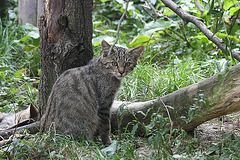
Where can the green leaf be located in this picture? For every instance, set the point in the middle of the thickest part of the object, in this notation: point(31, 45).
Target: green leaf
point(233, 10)
point(31, 27)
point(97, 41)
point(30, 47)
point(191, 113)
point(4, 69)
point(116, 158)
point(229, 3)
point(39, 72)
point(19, 73)
point(140, 40)
point(120, 1)
point(215, 13)
point(135, 127)
point(224, 35)
point(167, 11)
point(184, 119)
point(110, 150)
point(235, 28)
point(95, 24)
point(2, 77)
point(105, 31)
point(24, 38)
point(154, 26)
point(169, 107)
point(221, 64)
point(33, 34)
point(36, 42)
point(153, 1)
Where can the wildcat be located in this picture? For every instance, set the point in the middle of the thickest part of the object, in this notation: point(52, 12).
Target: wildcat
point(81, 98)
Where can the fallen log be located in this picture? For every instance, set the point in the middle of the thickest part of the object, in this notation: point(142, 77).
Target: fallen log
point(32, 128)
point(215, 96)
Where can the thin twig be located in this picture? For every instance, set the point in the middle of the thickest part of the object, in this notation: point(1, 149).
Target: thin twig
point(118, 27)
point(234, 21)
point(159, 13)
point(148, 42)
point(144, 8)
point(198, 22)
point(177, 34)
point(199, 7)
point(162, 15)
point(171, 122)
point(155, 13)
point(168, 33)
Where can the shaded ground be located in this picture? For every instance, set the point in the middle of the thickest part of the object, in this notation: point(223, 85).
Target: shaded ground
point(214, 129)
point(208, 134)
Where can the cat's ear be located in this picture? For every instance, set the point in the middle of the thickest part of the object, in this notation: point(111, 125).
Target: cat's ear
point(136, 52)
point(105, 48)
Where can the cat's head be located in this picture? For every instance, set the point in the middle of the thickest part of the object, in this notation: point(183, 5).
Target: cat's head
point(120, 61)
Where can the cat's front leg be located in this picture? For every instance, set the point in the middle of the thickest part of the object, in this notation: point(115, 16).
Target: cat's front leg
point(104, 125)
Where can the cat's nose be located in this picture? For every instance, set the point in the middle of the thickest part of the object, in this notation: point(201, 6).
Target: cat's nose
point(121, 71)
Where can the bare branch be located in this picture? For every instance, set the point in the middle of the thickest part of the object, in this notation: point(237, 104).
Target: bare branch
point(155, 13)
point(118, 27)
point(159, 13)
point(33, 128)
point(199, 7)
point(170, 119)
point(203, 28)
point(234, 21)
point(144, 8)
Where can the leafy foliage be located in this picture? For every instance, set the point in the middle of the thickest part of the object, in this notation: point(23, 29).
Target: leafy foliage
point(176, 56)
point(19, 65)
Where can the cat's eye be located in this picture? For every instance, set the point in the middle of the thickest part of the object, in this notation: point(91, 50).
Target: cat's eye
point(114, 63)
point(127, 64)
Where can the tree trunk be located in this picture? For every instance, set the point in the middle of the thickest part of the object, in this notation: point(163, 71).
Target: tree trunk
point(40, 9)
point(216, 96)
point(65, 41)
point(27, 12)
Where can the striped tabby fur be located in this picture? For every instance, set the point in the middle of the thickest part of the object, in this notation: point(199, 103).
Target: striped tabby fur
point(81, 98)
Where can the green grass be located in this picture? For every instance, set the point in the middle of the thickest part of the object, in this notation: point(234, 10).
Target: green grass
point(18, 67)
point(156, 75)
point(149, 81)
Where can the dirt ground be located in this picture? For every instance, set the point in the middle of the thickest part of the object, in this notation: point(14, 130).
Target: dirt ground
point(214, 129)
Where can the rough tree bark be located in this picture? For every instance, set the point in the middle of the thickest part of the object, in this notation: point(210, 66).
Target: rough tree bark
point(221, 94)
point(65, 41)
